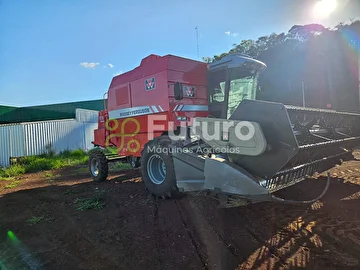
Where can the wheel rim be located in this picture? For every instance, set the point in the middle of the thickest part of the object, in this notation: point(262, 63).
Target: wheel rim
point(94, 166)
point(156, 169)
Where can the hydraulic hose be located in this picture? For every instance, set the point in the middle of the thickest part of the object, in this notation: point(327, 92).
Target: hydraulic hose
point(278, 199)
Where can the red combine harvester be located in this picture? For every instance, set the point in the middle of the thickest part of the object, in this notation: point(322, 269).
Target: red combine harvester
point(149, 91)
point(195, 127)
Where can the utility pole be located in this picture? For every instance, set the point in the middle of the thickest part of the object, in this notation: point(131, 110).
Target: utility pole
point(303, 93)
point(359, 75)
point(197, 42)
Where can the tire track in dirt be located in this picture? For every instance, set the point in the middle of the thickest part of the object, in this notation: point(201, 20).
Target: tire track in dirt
point(296, 230)
point(274, 247)
point(345, 232)
point(193, 241)
point(156, 231)
point(173, 238)
point(218, 252)
point(306, 231)
point(291, 237)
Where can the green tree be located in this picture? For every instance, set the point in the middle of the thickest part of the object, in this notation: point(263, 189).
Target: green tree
point(322, 59)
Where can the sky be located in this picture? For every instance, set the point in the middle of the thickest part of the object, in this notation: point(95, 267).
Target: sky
point(54, 51)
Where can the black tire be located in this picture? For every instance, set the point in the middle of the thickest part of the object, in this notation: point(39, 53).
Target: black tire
point(165, 187)
point(134, 162)
point(98, 166)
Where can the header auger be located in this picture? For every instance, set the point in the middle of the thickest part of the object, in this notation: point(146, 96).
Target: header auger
point(193, 127)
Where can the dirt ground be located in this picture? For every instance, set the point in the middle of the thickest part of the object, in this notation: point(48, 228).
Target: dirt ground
point(133, 231)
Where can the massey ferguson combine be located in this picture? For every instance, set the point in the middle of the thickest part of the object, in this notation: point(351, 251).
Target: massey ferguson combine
point(194, 127)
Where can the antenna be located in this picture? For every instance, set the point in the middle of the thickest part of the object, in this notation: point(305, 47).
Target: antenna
point(197, 41)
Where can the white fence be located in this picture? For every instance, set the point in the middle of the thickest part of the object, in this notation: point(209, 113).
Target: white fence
point(26, 139)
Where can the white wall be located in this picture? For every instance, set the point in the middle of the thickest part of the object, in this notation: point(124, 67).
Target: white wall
point(28, 139)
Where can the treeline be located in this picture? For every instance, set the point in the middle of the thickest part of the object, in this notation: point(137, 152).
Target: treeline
point(322, 61)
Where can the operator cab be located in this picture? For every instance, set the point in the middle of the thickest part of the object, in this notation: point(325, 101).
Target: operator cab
point(231, 80)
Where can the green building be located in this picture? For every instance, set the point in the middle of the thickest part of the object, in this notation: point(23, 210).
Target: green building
point(47, 112)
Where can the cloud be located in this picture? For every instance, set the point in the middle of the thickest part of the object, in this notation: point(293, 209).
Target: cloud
point(91, 65)
point(110, 65)
point(231, 34)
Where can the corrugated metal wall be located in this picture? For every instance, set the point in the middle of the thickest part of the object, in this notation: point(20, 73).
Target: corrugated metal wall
point(88, 116)
point(11, 143)
point(66, 134)
point(28, 139)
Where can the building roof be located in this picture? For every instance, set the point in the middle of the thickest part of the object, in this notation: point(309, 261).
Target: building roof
point(46, 112)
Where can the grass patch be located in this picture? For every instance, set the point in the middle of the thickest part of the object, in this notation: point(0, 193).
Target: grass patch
point(119, 166)
point(88, 203)
point(70, 191)
point(48, 175)
point(12, 184)
point(47, 161)
point(35, 220)
point(51, 175)
point(95, 202)
point(39, 163)
point(12, 171)
point(6, 178)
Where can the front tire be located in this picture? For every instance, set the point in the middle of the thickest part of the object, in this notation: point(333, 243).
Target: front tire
point(157, 167)
point(98, 166)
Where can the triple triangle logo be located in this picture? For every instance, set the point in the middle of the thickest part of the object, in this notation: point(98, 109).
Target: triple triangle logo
point(150, 84)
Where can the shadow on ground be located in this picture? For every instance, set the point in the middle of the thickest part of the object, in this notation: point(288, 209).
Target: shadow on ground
point(133, 231)
point(325, 235)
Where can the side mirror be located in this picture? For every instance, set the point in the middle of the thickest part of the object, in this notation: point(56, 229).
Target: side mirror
point(178, 91)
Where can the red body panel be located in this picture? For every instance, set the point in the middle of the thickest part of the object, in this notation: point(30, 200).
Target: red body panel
point(137, 97)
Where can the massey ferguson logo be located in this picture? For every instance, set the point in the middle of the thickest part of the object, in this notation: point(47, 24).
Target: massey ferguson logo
point(150, 84)
point(189, 91)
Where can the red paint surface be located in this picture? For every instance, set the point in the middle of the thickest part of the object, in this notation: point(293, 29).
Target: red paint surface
point(128, 90)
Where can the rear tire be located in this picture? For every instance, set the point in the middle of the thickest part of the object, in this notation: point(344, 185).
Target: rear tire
point(157, 168)
point(98, 166)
